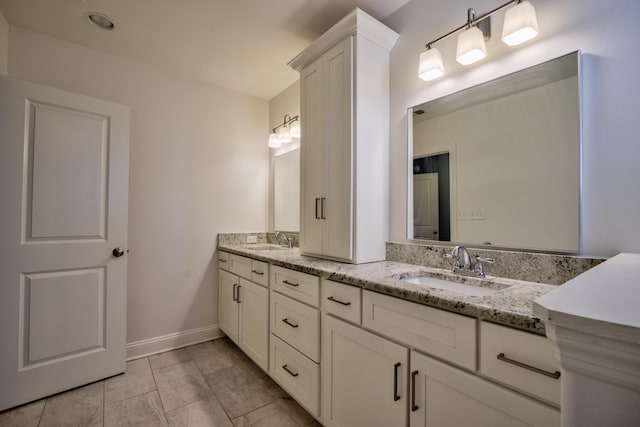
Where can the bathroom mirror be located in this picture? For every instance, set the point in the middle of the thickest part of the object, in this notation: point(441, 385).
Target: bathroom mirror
point(286, 191)
point(498, 164)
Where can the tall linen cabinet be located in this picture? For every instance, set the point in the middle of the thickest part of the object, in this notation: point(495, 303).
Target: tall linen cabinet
point(344, 109)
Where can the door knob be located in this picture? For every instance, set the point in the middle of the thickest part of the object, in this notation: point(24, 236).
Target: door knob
point(118, 252)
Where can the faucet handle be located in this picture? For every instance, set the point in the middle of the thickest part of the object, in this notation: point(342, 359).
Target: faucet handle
point(485, 260)
point(480, 261)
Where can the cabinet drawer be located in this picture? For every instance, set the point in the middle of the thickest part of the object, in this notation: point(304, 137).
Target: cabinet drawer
point(446, 335)
point(299, 376)
point(301, 286)
point(504, 351)
point(297, 324)
point(260, 272)
point(240, 265)
point(342, 300)
point(223, 260)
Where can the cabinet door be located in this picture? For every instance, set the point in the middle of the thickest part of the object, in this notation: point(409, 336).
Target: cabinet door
point(337, 206)
point(228, 307)
point(254, 322)
point(364, 378)
point(311, 158)
point(444, 396)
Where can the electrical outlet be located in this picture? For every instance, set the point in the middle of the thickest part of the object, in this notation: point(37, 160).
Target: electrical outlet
point(252, 239)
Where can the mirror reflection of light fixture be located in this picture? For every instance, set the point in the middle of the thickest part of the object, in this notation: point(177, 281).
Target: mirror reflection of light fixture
point(284, 133)
point(520, 25)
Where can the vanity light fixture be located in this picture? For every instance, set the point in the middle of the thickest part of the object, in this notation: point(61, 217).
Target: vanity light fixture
point(284, 133)
point(520, 25)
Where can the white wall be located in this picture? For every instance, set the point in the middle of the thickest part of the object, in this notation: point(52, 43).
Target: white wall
point(4, 44)
point(286, 102)
point(199, 166)
point(607, 34)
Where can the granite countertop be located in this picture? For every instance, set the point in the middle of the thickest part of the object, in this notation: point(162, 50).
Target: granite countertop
point(512, 306)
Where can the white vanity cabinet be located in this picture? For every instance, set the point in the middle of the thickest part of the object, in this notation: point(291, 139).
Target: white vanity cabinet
point(244, 306)
point(364, 377)
point(344, 109)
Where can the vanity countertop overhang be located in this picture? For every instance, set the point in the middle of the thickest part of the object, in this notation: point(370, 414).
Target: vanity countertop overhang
point(512, 306)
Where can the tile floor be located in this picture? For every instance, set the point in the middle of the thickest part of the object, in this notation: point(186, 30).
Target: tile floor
point(208, 384)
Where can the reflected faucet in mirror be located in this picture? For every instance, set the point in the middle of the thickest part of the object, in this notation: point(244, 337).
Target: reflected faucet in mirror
point(286, 243)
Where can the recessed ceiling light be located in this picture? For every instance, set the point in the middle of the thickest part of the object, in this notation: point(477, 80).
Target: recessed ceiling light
point(100, 20)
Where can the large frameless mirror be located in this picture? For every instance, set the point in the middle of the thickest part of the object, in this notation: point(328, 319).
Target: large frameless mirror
point(498, 164)
point(286, 191)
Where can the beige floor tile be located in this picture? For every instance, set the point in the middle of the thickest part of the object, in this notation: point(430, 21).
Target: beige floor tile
point(206, 413)
point(135, 381)
point(23, 416)
point(271, 415)
point(144, 410)
point(82, 406)
point(181, 384)
point(237, 390)
point(167, 358)
point(213, 355)
point(295, 411)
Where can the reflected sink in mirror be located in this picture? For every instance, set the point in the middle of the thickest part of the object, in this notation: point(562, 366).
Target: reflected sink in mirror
point(464, 285)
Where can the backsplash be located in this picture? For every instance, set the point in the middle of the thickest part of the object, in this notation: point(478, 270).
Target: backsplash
point(241, 238)
point(533, 267)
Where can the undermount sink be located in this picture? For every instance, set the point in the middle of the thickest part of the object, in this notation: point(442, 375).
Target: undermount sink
point(269, 247)
point(478, 288)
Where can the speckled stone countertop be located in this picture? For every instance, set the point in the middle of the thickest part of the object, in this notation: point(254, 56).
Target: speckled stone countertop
point(512, 306)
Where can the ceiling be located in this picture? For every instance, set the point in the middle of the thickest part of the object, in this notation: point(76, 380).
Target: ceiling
point(243, 45)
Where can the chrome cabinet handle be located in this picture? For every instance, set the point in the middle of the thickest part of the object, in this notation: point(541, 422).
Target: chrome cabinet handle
point(338, 301)
point(396, 396)
point(235, 288)
point(259, 273)
point(555, 375)
point(289, 371)
point(288, 322)
point(286, 282)
point(414, 407)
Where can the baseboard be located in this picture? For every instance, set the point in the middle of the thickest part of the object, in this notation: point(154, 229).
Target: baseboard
point(138, 349)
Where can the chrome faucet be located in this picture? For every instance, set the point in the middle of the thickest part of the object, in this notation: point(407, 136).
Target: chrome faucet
point(287, 242)
point(464, 265)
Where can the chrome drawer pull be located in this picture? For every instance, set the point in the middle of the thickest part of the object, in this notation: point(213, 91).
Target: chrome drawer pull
point(555, 375)
point(396, 396)
point(288, 322)
point(290, 372)
point(260, 273)
point(286, 282)
point(338, 301)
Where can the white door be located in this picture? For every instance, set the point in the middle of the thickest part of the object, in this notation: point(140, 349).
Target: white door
point(364, 378)
point(64, 166)
point(444, 396)
point(426, 224)
point(254, 322)
point(228, 304)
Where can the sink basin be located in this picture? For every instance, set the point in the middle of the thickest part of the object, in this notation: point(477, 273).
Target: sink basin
point(266, 247)
point(479, 289)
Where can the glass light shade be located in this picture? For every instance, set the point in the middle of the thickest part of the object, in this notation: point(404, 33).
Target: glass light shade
point(431, 66)
point(520, 24)
point(471, 46)
point(274, 142)
point(284, 136)
point(295, 130)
